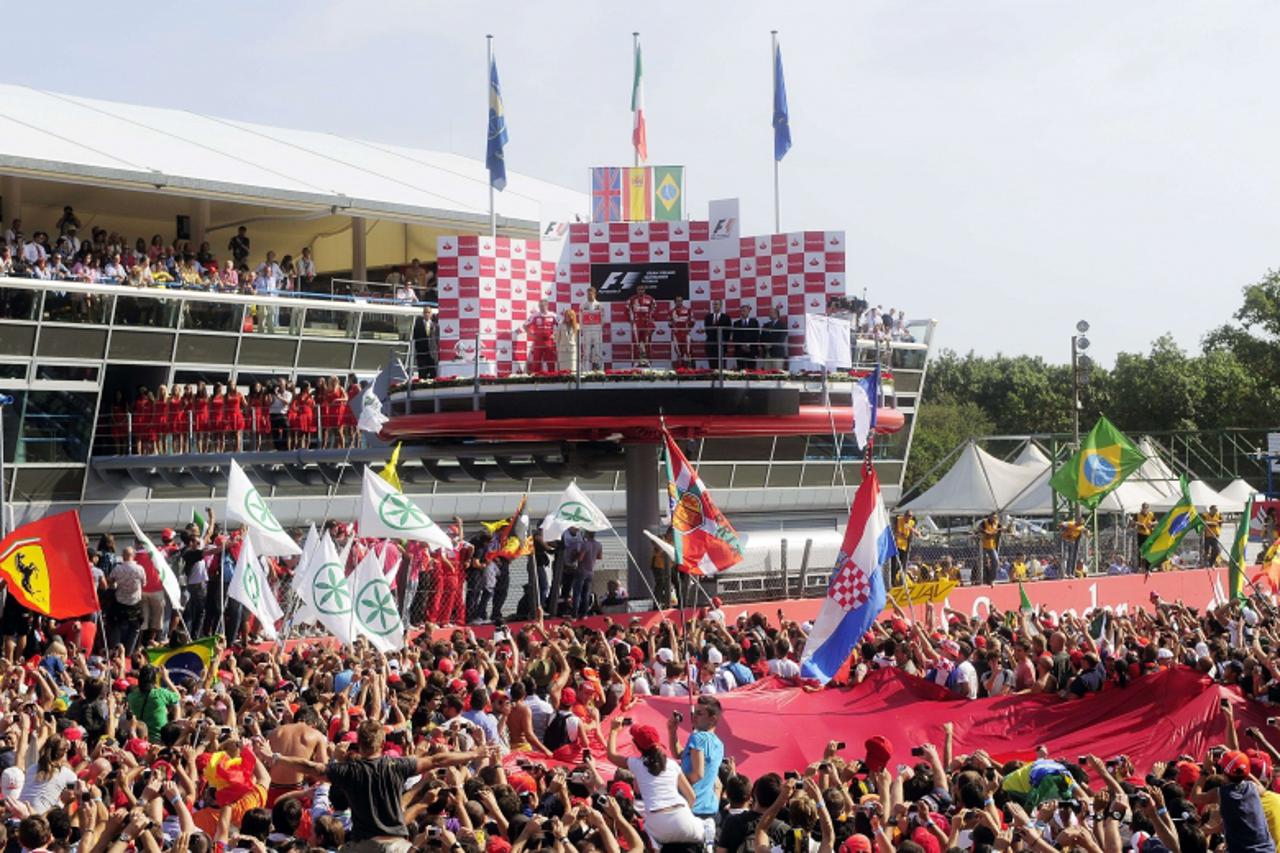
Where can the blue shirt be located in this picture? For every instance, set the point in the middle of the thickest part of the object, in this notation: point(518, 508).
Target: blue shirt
point(705, 801)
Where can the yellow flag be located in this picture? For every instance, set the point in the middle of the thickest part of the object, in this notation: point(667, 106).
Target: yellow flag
point(388, 472)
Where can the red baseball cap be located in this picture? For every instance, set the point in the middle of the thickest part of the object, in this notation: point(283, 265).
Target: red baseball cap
point(644, 737)
point(445, 665)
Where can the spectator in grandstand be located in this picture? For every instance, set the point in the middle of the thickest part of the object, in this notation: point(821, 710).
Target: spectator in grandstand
point(238, 246)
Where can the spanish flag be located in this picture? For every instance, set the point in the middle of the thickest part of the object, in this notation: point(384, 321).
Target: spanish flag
point(194, 660)
point(637, 189)
point(46, 568)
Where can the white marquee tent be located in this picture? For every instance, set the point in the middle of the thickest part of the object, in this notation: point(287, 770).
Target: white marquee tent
point(977, 484)
point(1238, 490)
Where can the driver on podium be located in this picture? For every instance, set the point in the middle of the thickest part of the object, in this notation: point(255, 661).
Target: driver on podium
point(681, 325)
point(541, 329)
point(641, 309)
point(591, 318)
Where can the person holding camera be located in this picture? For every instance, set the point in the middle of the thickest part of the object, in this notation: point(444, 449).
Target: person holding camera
point(666, 793)
point(700, 759)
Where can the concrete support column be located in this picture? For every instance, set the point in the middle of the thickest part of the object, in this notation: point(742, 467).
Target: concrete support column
point(641, 466)
point(11, 195)
point(359, 250)
point(200, 221)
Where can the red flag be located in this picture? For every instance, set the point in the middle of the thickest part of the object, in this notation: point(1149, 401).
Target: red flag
point(705, 541)
point(46, 568)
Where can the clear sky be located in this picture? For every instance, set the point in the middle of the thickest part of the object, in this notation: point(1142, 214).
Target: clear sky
point(1005, 167)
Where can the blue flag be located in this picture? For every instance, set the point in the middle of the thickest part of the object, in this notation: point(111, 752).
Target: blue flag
point(781, 120)
point(493, 156)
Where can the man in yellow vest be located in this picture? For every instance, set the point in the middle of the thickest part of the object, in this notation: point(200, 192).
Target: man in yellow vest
point(904, 530)
point(1072, 532)
point(1143, 525)
point(1212, 531)
point(989, 530)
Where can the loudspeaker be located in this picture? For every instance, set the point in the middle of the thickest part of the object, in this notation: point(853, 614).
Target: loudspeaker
point(184, 227)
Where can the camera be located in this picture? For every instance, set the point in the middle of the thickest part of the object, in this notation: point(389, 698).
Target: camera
point(1082, 760)
point(791, 775)
point(626, 721)
point(433, 831)
point(586, 755)
point(917, 752)
point(1224, 702)
point(1271, 721)
point(840, 744)
point(600, 801)
point(677, 716)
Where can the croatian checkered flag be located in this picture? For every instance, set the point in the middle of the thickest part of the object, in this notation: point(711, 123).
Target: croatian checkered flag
point(856, 594)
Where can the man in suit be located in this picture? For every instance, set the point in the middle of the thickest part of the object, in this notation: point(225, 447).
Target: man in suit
point(746, 339)
point(718, 327)
point(773, 337)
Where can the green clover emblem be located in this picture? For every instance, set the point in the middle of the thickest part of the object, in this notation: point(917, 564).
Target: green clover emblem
point(376, 608)
point(257, 509)
point(329, 590)
point(400, 513)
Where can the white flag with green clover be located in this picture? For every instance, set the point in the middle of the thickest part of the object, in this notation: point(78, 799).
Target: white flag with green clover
point(375, 613)
point(574, 509)
point(250, 588)
point(245, 505)
point(388, 514)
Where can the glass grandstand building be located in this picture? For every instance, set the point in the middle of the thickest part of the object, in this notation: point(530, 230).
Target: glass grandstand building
point(69, 349)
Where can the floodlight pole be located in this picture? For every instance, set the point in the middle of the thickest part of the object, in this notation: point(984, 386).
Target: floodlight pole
point(1075, 407)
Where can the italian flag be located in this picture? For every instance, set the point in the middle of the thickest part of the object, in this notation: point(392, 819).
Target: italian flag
point(637, 110)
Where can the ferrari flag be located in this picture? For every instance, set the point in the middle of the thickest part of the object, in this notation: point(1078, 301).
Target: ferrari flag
point(46, 568)
point(705, 541)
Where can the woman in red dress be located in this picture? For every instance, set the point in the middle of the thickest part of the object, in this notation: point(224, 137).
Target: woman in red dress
point(173, 419)
point(200, 417)
point(348, 414)
point(141, 421)
point(217, 418)
point(184, 425)
point(160, 421)
point(306, 416)
point(235, 417)
point(333, 398)
point(293, 415)
point(261, 417)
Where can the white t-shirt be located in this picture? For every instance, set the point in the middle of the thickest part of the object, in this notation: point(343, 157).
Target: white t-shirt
point(40, 795)
point(784, 668)
point(129, 579)
point(661, 791)
point(674, 688)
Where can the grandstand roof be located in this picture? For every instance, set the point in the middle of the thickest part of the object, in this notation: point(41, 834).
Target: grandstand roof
point(64, 137)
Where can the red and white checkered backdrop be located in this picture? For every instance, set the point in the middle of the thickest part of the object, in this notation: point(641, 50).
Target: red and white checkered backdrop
point(491, 285)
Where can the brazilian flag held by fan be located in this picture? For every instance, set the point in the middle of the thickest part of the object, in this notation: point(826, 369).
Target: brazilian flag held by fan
point(1105, 458)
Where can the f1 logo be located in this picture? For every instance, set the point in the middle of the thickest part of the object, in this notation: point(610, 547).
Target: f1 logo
point(724, 227)
point(621, 281)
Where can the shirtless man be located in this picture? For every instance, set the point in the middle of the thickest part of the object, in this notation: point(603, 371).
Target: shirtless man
point(300, 739)
point(519, 723)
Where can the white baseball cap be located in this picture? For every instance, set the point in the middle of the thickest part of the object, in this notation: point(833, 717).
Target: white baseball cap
point(11, 781)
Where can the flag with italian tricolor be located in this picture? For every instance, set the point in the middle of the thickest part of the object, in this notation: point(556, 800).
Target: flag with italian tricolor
point(638, 140)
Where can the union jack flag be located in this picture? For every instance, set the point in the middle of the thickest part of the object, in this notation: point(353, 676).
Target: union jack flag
point(606, 194)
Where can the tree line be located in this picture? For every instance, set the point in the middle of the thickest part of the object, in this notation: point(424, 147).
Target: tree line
point(1233, 381)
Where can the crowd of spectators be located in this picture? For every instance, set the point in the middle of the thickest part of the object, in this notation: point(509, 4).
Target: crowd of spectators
point(511, 743)
point(108, 257)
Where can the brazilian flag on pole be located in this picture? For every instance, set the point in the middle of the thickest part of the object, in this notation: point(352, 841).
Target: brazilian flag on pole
point(1235, 576)
point(1105, 458)
point(1176, 523)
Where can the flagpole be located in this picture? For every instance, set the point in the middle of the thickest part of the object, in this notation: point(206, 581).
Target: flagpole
point(635, 48)
point(488, 82)
point(773, 65)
